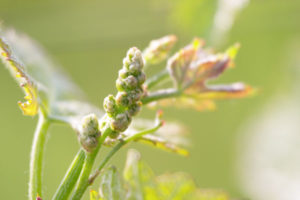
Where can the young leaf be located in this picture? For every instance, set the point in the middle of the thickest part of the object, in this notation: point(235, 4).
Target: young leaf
point(141, 184)
point(139, 178)
point(162, 143)
point(30, 107)
point(45, 84)
point(158, 49)
point(110, 185)
point(180, 62)
point(170, 137)
point(178, 186)
point(191, 68)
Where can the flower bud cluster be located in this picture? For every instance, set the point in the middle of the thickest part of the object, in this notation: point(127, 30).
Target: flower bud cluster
point(89, 132)
point(159, 49)
point(126, 103)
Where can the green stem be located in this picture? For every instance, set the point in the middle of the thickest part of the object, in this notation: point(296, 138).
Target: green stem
point(83, 181)
point(161, 94)
point(118, 147)
point(71, 177)
point(36, 157)
point(156, 79)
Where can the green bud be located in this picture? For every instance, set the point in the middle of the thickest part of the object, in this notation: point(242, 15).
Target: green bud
point(120, 84)
point(123, 73)
point(134, 68)
point(121, 122)
point(136, 94)
point(131, 82)
point(123, 99)
point(126, 62)
point(109, 105)
point(141, 78)
point(88, 143)
point(138, 58)
point(159, 49)
point(88, 136)
point(114, 134)
point(134, 60)
point(135, 108)
point(131, 52)
point(90, 125)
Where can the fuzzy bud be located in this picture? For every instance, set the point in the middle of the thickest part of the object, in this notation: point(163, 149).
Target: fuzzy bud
point(88, 136)
point(135, 108)
point(134, 61)
point(114, 134)
point(131, 82)
point(109, 105)
point(121, 122)
point(123, 99)
point(90, 125)
point(120, 84)
point(123, 73)
point(158, 49)
point(136, 94)
point(141, 78)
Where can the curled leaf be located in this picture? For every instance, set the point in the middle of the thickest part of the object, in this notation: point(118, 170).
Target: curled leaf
point(162, 143)
point(170, 137)
point(159, 49)
point(235, 90)
point(111, 186)
point(139, 178)
point(30, 107)
point(180, 62)
point(141, 183)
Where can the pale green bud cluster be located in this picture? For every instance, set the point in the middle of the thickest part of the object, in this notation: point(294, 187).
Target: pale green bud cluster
point(159, 49)
point(89, 132)
point(126, 103)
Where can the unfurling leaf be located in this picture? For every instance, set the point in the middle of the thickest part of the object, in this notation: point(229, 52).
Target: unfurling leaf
point(171, 137)
point(179, 63)
point(142, 184)
point(139, 178)
point(159, 49)
point(176, 186)
point(192, 67)
point(30, 107)
point(235, 90)
point(110, 186)
point(45, 84)
point(162, 143)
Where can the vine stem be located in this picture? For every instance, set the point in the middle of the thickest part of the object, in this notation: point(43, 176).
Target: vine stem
point(83, 181)
point(75, 169)
point(118, 147)
point(71, 177)
point(36, 157)
point(157, 79)
point(161, 94)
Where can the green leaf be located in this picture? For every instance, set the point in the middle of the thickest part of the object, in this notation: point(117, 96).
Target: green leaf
point(30, 107)
point(110, 185)
point(170, 137)
point(142, 184)
point(163, 144)
point(177, 186)
point(139, 178)
point(46, 86)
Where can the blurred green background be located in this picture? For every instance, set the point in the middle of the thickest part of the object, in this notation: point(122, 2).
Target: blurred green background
point(90, 38)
